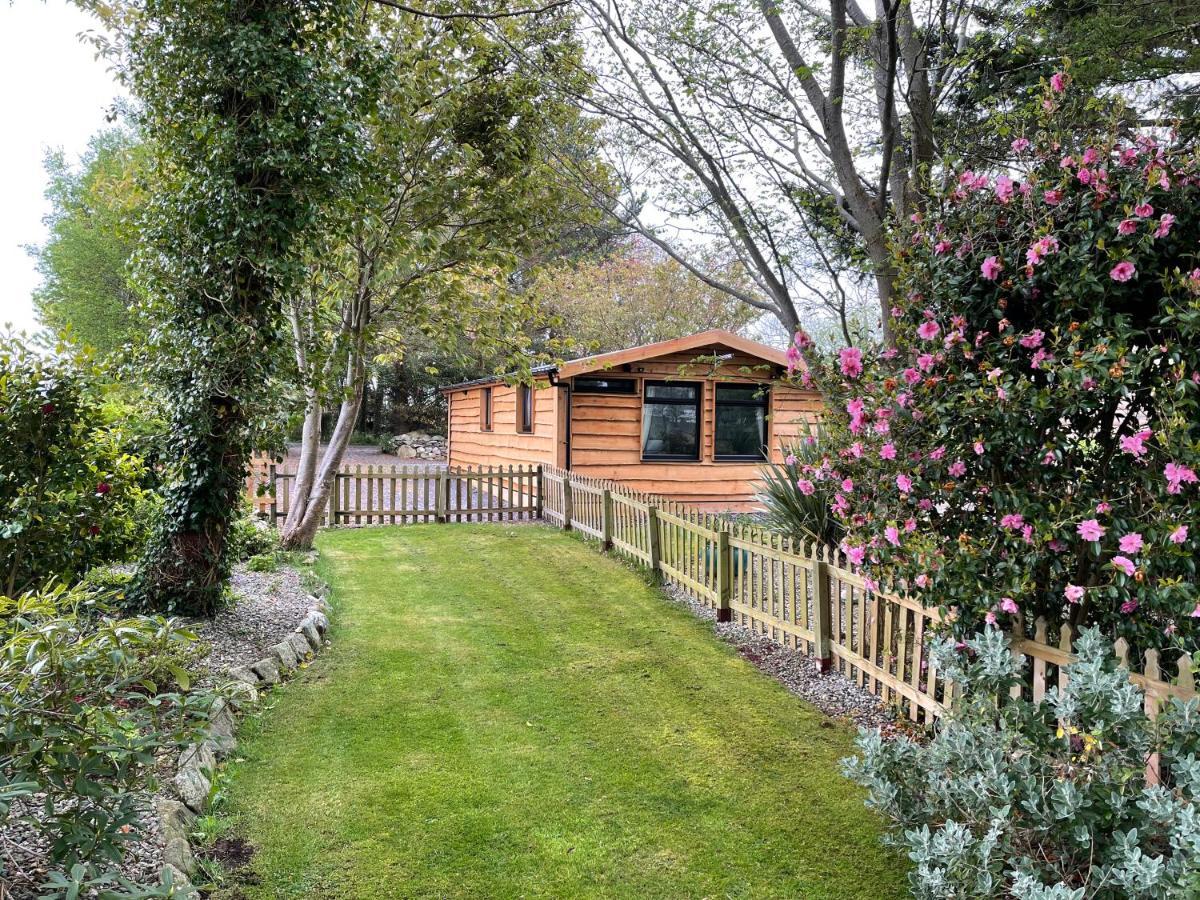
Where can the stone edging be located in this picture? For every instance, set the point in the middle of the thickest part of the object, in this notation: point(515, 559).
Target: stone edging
point(197, 764)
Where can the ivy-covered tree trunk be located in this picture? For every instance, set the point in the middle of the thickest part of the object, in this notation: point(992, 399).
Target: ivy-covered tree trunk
point(249, 109)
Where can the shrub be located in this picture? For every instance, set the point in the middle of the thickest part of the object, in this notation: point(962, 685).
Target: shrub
point(796, 504)
point(1044, 801)
point(69, 495)
point(250, 537)
point(1030, 442)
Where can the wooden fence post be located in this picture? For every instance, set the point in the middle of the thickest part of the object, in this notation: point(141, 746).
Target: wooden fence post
point(537, 500)
point(568, 502)
point(439, 500)
point(606, 518)
point(652, 533)
point(724, 576)
point(333, 499)
point(274, 499)
point(822, 612)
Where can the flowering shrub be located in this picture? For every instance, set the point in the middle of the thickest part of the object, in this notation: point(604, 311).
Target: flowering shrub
point(1047, 801)
point(69, 493)
point(1030, 443)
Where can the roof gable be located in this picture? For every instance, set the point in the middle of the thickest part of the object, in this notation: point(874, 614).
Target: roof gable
point(693, 342)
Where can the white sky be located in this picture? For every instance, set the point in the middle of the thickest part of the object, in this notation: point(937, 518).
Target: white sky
point(56, 95)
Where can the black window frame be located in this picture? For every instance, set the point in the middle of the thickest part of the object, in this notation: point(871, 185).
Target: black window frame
point(760, 400)
point(697, 404)
point(588, 385)
point(485, 402)
point(525, 409)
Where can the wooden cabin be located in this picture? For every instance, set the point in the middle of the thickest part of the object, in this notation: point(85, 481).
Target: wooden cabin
point(691, 419)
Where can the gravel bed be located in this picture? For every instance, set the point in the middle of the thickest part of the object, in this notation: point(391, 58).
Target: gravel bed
point(832, 693)
point(269, 606)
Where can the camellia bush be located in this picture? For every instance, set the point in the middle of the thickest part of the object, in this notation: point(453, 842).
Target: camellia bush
point(1046, 801)
point(1030, 442)
point(70, 494)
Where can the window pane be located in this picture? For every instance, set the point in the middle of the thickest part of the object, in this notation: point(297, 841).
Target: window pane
point(671, 392)
point(605, 386)
point(669, 429)
point(741, 393)
point(741, 431)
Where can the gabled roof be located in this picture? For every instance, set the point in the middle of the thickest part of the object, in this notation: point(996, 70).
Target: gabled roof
point(703, 340)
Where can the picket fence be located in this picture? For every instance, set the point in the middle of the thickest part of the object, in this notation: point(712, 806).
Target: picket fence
point(799, 594)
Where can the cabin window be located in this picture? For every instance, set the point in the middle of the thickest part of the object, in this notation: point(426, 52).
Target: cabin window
point(741, 422)
point(485, 410)
point(525, 408)
point(604, 386)
point(671, 421)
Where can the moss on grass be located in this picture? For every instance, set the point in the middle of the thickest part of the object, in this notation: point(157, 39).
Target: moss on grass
point(506, 713)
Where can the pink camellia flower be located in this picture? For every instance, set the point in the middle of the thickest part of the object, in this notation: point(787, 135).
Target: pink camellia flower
point(1012, 521)
point(1009, 605)
point(1033, 339)
point(978, 448)
point(892, 533)
point(848, 485)
point(1020, 145)
point(1004, 188)
point(793, 358)
point(1058, 82)
point(911, 375)
point(1089, 383)
point(103, 488)
point(1196, 612)
point(1164, 225)
point(856, 449)
point(938, 452)
point(1123, 271)
point(922, 580)
point(1135, 444)
point(925, 361)
point(1129, 606)
point(910, 525)
point(1143, 210)
point(1085, 176)
point(1073, 593)
point(806, 487)
point(1103, 507)
point(928, 330)
point(854, 554)
point(790, 459)
point(1067, 162)
point(904, 483)
point(990, 617)
point(1177, 476)
point(991, 268)
point(1126, 227)
point(887, 451)
point(1052, 197)
point(942, 247)
point(1090, 530)
point(850, 359)
point(957, 469)
point(1179, 535)
point(1125, 564)
point(1131, 543)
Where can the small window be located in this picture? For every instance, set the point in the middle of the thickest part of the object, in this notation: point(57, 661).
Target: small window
point(605, 386)
point(485, 410)
point(741, 422)
point(525, 408)
point(671, 421)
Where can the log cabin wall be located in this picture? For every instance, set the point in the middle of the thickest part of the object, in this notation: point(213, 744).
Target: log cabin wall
point(505, 444)
point(606, 433)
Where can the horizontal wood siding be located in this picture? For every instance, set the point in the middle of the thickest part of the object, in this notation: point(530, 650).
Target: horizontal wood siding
point(470, 445)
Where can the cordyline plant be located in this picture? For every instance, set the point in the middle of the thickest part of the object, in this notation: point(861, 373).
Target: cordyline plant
point(1029, 442)
point(1046, 801)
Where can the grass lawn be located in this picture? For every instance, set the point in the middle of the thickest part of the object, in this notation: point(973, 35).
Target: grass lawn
point(505, 712)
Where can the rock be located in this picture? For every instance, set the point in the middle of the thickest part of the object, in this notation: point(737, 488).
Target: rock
point(286, 655)
point(301, 646)
point(320, 620)
point(200, 756)
point(244, 675)
point(174, 816)
point(193, 787)
point(183, 885)
point(267, 670)
point(220, 727)
point(308, 628)
point(241, 695)
point(405, 452)
point(177, 852)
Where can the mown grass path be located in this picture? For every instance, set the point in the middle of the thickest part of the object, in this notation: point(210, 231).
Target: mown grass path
point(506, 713)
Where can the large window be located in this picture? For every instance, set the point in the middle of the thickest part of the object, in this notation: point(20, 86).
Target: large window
point(741, 422)
point(525, 408)
point(605, 386)
point(485, 411)
point(671, 421)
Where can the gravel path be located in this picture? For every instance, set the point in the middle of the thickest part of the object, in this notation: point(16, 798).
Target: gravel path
point(832, 693)
point(269, 606)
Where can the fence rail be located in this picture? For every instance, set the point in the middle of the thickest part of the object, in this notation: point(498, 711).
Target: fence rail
point(801, 595)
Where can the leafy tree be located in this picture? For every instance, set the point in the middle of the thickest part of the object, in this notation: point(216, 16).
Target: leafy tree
point(252, 112)
point(634, 295)
point(92, 223)
point(1030, 441)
